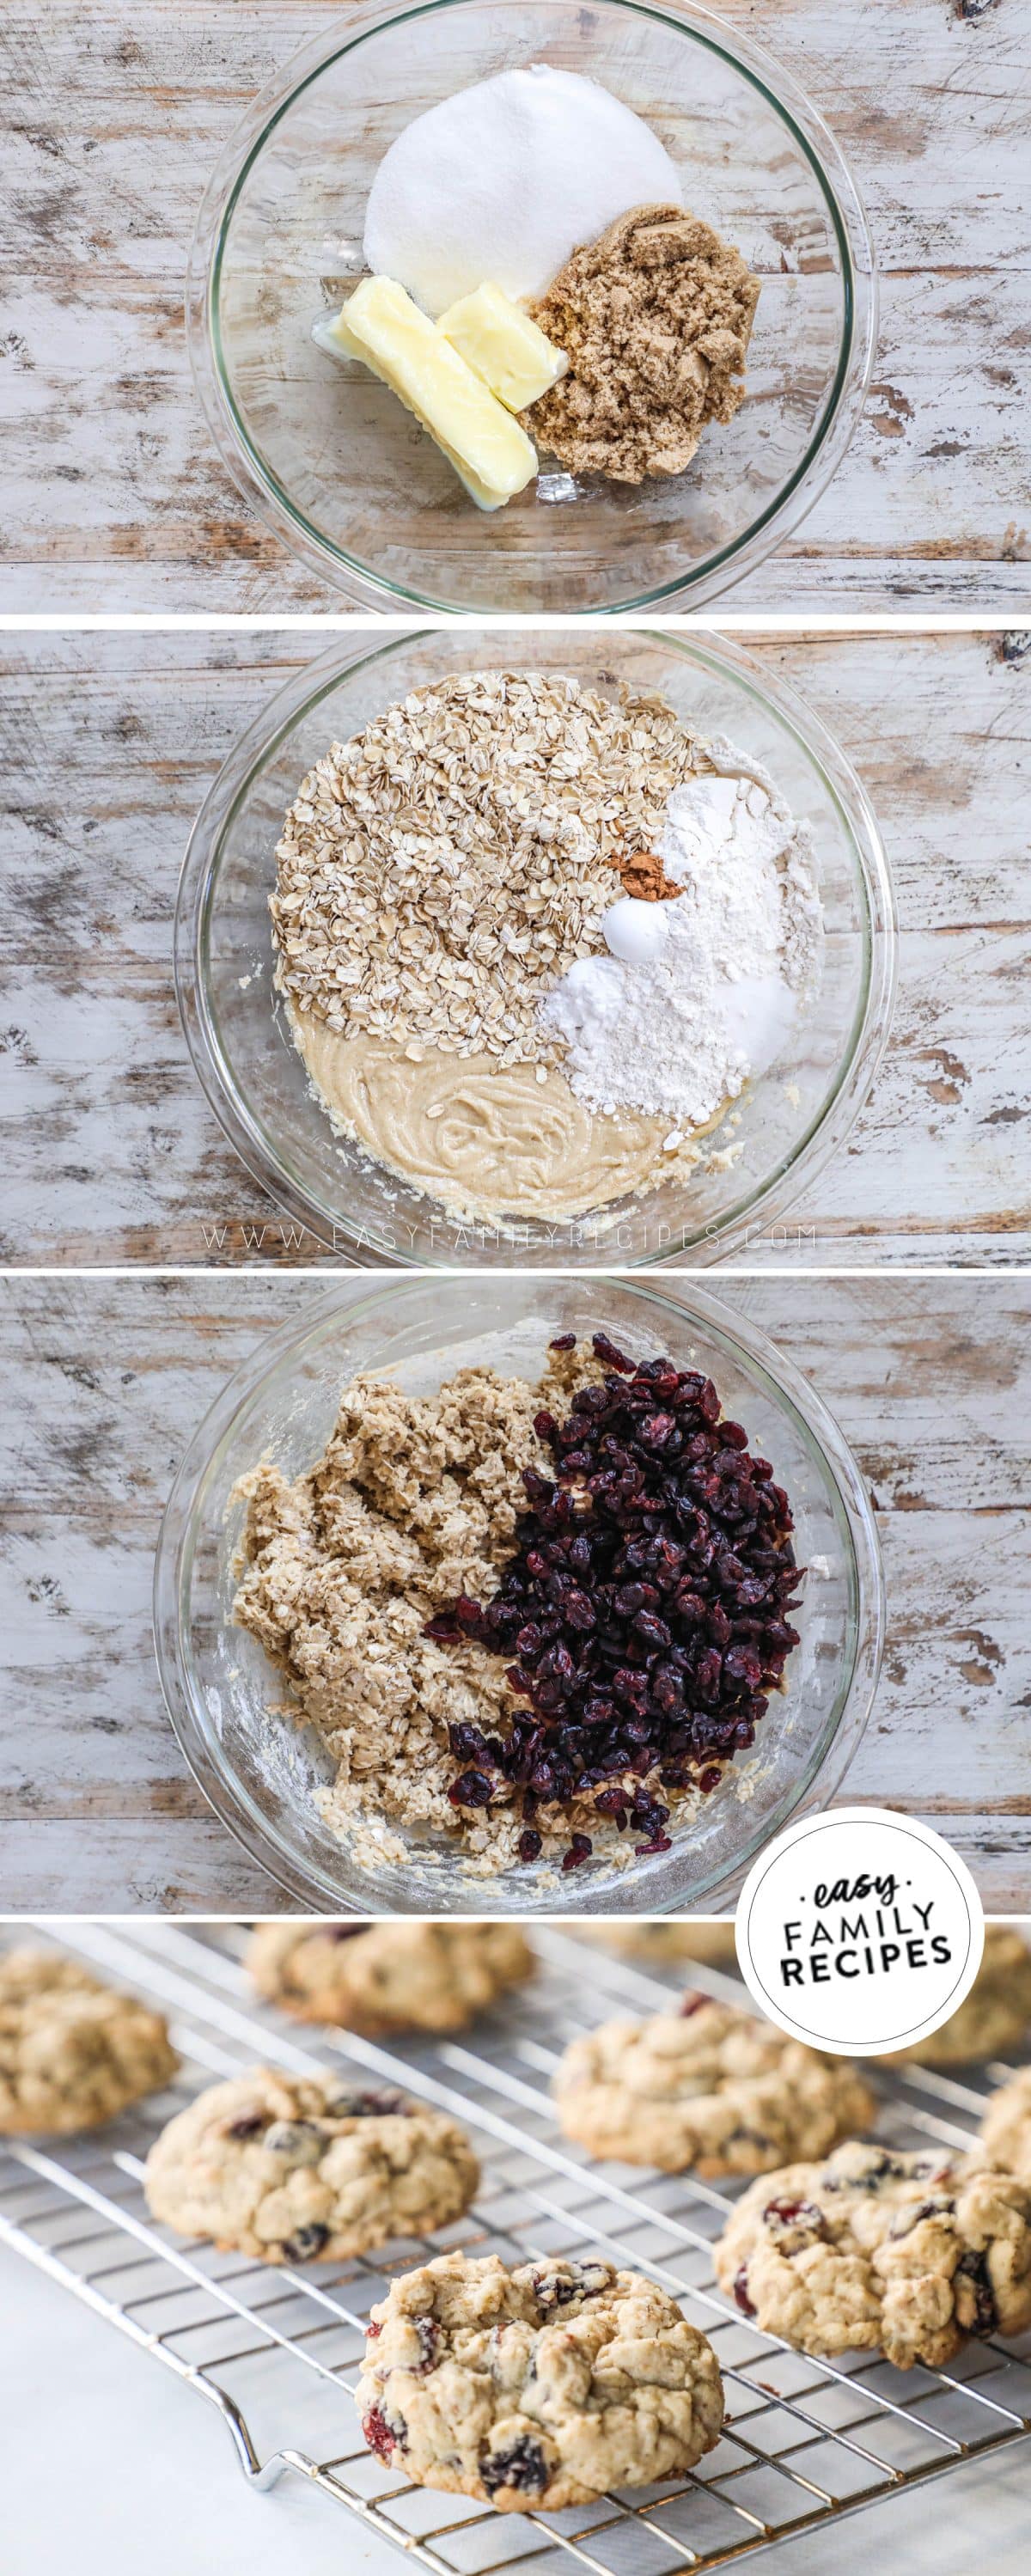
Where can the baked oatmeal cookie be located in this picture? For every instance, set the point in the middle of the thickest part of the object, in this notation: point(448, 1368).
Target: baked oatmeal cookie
point(295, 2168)
point(709, 2087)
point(993, 2016)
point(537, 2388)
point(72, 2053)
point(379, 1978)
point(665, 1944)
point(1006, 2126)
point(904, 2254)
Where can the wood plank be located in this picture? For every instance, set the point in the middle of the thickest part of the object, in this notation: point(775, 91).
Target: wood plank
point(116, 497)
point(102, 1382)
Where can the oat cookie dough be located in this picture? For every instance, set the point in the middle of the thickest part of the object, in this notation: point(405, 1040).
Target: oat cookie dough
point(379, 1978)
point(994, 2016)
point(537, 2388)
point(412, 1503)
point(1006, 2127)
point(72, 2053)
point(292, 2169)
point(874, 2251)
point(707, 2087)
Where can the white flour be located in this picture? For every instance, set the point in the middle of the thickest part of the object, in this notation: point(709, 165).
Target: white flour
point(679, 1035)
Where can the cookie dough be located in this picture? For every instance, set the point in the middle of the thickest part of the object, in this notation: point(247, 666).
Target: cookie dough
point(1006, 2127)
point(707, 2087)
point(72, 2053)
point(384, 1977)
point(993, 2016)
point(538, 2388)
point(874, 2251)
point(488, 1141)
point(293, 2169)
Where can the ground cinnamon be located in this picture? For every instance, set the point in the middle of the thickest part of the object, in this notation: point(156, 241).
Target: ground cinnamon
point(643, 875)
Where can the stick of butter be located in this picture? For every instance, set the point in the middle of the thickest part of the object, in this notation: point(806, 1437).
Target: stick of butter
point(502, 345)
point(381, 325)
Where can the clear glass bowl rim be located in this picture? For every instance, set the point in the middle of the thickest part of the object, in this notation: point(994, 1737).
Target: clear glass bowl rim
point(781, 515)
point(262, 737)
point(181, 1523)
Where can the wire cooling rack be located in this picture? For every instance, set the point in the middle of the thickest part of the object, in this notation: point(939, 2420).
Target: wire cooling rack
point(276, 2350)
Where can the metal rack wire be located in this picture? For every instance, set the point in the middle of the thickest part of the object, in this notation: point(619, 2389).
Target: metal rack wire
point(275, 2350)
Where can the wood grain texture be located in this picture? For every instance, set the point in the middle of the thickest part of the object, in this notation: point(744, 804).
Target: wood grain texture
point(116, 498)
point(111, 1154)
point(103, 1383)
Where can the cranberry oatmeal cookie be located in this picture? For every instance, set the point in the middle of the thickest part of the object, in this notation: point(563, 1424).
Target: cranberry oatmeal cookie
point(291, 2168)
point(994, 2016)
point(72, 2053)
point(379, 1978)
point(708, 2087)
point(904, 2254)
point(1006, 2126)
point(537, 2388)
point(665, 1944)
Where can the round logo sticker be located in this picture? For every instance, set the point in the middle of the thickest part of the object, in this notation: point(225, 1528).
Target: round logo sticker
point(859, 1931)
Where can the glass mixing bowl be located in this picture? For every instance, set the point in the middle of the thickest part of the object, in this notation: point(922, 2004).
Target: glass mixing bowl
point(337, 467)
point(788, 1121)
point(260, 1771)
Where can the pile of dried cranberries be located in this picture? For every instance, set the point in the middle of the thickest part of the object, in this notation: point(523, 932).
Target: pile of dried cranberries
point(643, 1606)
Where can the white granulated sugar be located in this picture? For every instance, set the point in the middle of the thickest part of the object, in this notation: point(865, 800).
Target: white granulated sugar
point(678, 1035)
point(503, 181)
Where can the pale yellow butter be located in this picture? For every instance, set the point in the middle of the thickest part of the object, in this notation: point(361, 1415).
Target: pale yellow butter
point(502, 345)
point(381, 325)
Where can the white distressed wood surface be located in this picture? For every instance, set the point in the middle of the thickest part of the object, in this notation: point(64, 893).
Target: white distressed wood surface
point(115, 496)
point(111, 1154)
point(104, 1381)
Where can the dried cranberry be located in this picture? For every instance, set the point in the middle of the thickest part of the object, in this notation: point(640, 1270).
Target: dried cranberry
point(471, 1789)
point(575, 2281)
point(794, 2217)
point(384, 2434)
point(741, 2291)
point(977, 2309)
point(692, 2004)
point(306, 2242)
point(606, 1351)
point(522, 2466)
point(365, 2105)
point(579, 1850)
point(563, 1342)
point(530, 1845)
point(253, 2125)
point(647, 1615)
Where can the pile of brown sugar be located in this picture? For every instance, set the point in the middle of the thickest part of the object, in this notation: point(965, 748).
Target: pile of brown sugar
point(655, 318)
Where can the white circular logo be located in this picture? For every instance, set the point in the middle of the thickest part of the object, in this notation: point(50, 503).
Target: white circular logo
point(859, 1931)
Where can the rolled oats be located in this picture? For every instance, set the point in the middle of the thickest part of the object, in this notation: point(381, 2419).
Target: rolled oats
point(440, 871)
